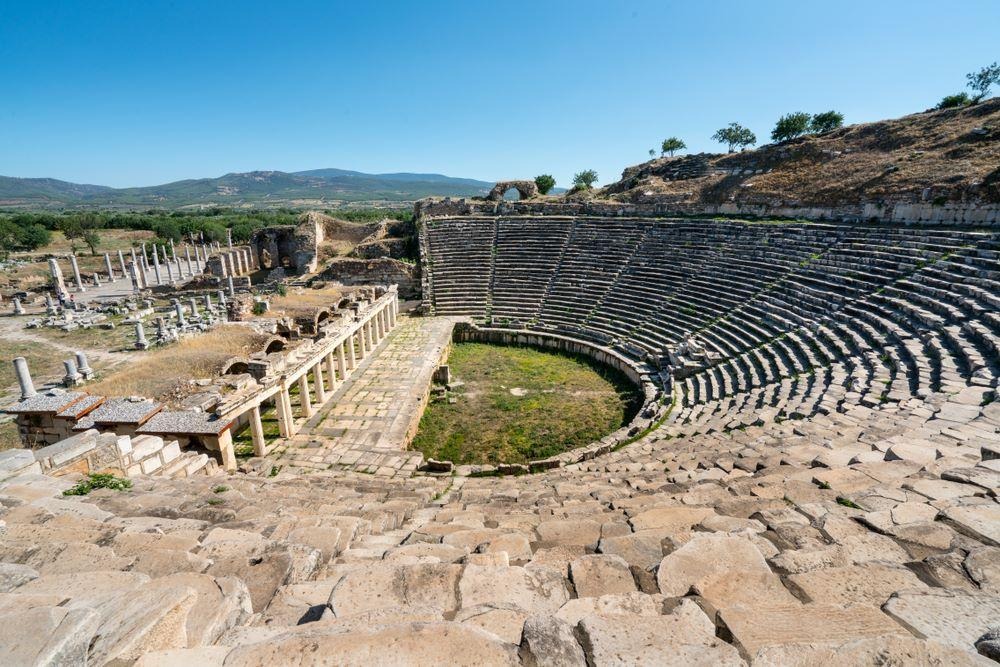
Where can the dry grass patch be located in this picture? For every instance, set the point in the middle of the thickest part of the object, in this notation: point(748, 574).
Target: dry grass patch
point(44, 362)
point(303, 302)
point(164, 370)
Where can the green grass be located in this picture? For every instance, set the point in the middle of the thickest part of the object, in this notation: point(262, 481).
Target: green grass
point(567, 402)
point(99, 481)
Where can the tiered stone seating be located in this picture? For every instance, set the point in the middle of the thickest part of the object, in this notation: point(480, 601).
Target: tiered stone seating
point(462, 256)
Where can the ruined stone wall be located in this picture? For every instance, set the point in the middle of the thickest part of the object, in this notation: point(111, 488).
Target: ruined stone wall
point(381, 271)
point(293, 248)
point(977, 215)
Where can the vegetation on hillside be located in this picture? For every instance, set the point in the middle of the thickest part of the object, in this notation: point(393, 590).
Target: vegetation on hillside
point(545, 183)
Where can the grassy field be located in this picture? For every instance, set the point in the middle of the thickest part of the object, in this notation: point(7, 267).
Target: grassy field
point(519, 404)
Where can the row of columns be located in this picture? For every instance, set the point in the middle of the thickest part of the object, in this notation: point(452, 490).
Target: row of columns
point(139, 268)
point(237, 261)
point(336, 365)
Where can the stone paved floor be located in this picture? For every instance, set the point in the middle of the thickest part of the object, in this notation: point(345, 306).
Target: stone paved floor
point(363, 426)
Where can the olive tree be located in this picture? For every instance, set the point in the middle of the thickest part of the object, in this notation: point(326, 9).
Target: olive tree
point(672, 145)
point(735, 136)
point(790, 126)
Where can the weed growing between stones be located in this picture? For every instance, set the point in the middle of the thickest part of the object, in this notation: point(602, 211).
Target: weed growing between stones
point(99, 481)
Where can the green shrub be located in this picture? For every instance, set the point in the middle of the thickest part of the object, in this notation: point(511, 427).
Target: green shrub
point(99, 481)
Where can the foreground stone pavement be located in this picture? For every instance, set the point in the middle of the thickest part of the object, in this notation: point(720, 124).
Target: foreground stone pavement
point(892, 561)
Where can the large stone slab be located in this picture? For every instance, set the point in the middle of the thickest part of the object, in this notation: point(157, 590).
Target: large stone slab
point(13, 575)
point(888, 650)
point(535, 590)
point(674, 519)
point(980, 522)
point(685, 637)
point(869, 584)
point(703, 558)
point(621, 604)
point(597, 575)
point(953, 618)
point(548, 641)
point(416, 644)
point(754, 628)
point(382, 586)
point(47, 636)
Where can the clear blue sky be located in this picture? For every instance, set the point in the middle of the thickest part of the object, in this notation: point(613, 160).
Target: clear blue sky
point(140, 92)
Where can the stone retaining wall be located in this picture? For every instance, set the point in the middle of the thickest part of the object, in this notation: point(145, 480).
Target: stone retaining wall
point(381, 271)
point(969, 214)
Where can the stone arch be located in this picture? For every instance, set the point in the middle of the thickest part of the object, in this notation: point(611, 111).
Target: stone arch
point(275, 344)
point(236, 366)
point(526, 189)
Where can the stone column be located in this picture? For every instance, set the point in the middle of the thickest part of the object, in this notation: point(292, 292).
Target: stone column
point(229, 237)
point(232, 288)
point(226, 450)
point(24, 378)
point(72, 377)
point(97, 279)
point(156, 265)
point(331, 371)
point(368, 333)
point(363, 341)
point(76, 274)
point(121, 261)
point(83, 366)
point(257, 432)
point(221, 296)
point(208, 302)
point(342, 361)
point(179, 309)
point(18, 308)
point(283, 408)
point(194, 308)
point(173, 251)
point(50, 306)
point(140, 337)
point(187, 255)
point(304, 399)
point(318, 378)
point(111, 271)
point(170, 271)
point(145, 257)
point(57, 277)
point(136, 280)
point(351, 356)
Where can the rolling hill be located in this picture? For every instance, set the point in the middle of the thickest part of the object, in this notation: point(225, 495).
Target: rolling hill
point(323, 187)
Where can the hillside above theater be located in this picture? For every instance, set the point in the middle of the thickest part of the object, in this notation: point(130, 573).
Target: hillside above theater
point(934, 157)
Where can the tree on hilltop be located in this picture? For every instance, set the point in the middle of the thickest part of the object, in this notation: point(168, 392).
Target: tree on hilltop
point(790, 126)
point(652, 153)
point(585, 180)
point(981, 82)
point(826, 121)
point(672, 145)
point(545, 182)
point(955, 101)
point(735, 136)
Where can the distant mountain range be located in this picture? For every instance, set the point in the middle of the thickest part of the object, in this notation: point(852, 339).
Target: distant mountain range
point(316, 187)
